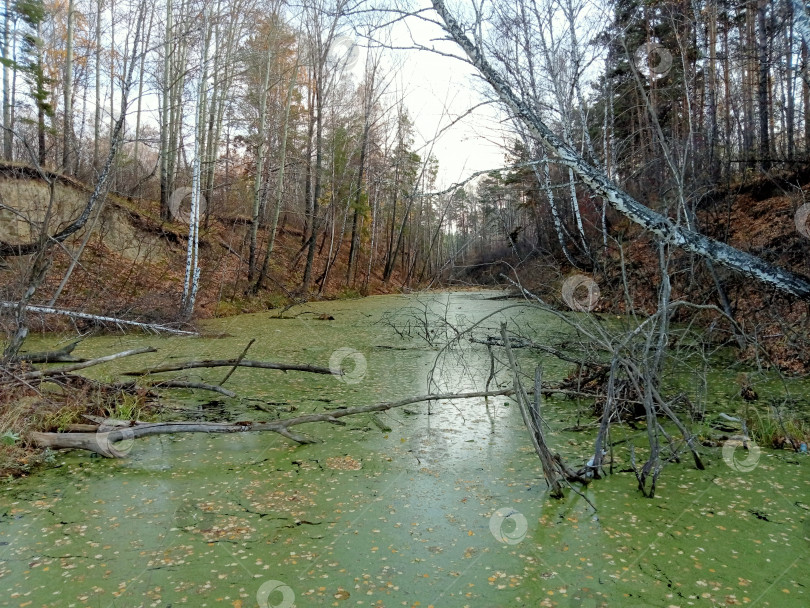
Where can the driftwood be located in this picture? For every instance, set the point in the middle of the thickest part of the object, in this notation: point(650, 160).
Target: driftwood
point(176, 367)
point(104, 439)
point(62, 355)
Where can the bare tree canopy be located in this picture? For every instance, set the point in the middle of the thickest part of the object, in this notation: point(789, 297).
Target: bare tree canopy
point(650, 220)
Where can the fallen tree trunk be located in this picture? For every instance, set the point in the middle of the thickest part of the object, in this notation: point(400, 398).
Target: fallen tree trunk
point(661, 226)
point(176, 367)
point(61, 355)
point(85, 364)
point(103, 441)
point(153, 327)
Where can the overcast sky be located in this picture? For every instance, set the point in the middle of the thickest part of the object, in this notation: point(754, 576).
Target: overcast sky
point(438, 90)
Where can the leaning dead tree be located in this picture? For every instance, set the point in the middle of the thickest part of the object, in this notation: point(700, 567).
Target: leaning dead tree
point(661, 226)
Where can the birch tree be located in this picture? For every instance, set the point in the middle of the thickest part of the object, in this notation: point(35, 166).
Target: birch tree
point(659, 225)
point(175, 52)
point(191, 281)
point(9, 25)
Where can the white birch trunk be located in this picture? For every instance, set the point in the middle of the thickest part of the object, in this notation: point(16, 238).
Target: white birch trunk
point(192, 276)
point(67, 141)
point(7, 99)
point(662, 227)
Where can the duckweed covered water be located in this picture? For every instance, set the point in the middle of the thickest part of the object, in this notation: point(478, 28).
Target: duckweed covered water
point(447, 509)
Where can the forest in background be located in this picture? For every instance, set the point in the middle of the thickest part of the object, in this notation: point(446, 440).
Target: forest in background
point(277, 122)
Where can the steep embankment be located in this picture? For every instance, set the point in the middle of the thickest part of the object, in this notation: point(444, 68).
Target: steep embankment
point(757, 217)
point(133, 263)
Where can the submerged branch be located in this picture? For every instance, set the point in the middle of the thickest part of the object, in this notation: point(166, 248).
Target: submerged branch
point(176, 367)
point(103, 441)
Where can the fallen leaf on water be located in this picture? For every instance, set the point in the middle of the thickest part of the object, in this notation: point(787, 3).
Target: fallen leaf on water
point(343, 463)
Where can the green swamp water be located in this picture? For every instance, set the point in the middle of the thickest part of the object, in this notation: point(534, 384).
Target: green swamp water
point(448, 509)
